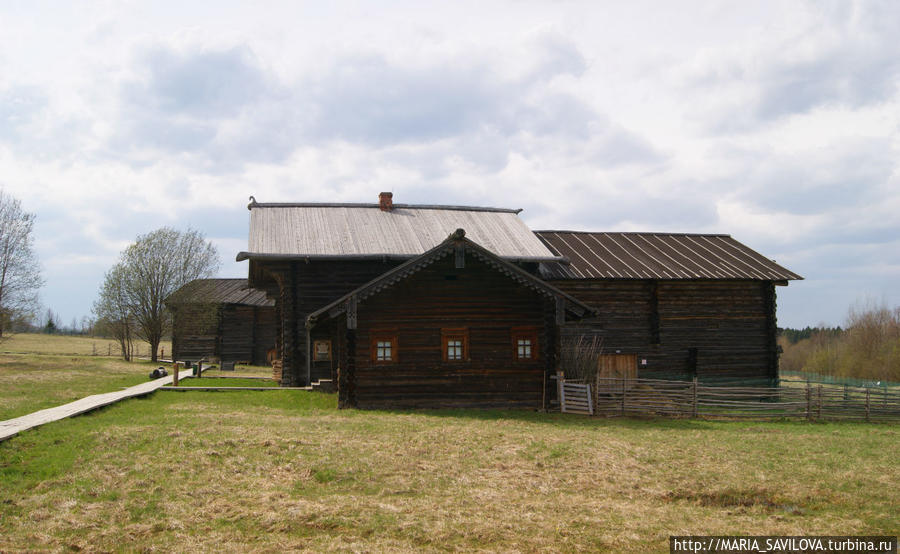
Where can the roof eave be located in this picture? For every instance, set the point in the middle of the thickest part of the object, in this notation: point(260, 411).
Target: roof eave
point(382, 257)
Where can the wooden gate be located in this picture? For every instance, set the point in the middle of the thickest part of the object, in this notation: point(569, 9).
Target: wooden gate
point(575, 398)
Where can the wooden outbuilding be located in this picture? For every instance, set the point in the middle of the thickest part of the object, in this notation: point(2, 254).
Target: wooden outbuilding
point(222, 319)
point(679, 305)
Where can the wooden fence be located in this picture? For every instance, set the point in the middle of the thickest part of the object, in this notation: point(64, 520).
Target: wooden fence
point(792, 399)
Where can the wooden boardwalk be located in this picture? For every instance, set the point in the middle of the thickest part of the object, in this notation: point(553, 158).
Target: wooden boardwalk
point(12, 427)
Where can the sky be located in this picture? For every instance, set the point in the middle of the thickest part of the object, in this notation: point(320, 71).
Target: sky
point(777, 123)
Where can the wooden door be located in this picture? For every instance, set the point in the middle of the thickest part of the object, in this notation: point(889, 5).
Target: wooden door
point(617, 366)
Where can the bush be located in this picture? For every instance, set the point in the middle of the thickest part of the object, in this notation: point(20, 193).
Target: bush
point(869, 348)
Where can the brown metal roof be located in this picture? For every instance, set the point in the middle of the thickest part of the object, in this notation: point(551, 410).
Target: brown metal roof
point(347, 231)
point(219, 291)
point(656, 256)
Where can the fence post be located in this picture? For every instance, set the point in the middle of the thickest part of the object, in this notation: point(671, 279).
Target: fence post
point(808, 402)
point(695, 398)
point(175, 374)
point(867, 403)
point(560, 379)
point(819, 407)
point(623, 396)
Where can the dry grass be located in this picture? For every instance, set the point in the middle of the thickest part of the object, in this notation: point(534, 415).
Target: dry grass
point(268, 472)
point(32, 382)
point(37, 343)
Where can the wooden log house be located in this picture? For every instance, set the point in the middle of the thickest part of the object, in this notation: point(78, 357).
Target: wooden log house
point(356, 284)
point(222, 319)
point(455, 327)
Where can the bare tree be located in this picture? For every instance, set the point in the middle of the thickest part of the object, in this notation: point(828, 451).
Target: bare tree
point(20, 273)
point(113, 310)
point(155, 266)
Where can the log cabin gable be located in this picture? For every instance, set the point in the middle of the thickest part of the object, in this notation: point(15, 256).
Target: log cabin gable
point(464, 327)
point(567, 307)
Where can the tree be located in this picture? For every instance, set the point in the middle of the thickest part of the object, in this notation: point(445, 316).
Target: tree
point(52, 326)
point(20, 273)
point(151, 269)
point(113, 310)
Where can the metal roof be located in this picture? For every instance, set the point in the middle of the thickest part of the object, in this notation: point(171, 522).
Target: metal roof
point(364, 230)
point(219, 291)
point(656, 256)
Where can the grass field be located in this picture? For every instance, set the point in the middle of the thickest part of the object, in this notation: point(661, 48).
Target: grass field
point(273, 471)
point(239, 471)
point(32, 382)
point(37, 343)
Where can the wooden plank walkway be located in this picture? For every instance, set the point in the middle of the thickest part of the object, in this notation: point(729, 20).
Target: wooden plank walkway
point(13, 427)
point(182, 388)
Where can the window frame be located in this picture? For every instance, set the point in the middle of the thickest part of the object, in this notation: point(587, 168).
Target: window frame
point(316, 344)
point(455, 333)
point(525, 333)
point(383, 335)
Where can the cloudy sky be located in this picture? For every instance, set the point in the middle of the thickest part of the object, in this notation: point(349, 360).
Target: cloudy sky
point(774, 122)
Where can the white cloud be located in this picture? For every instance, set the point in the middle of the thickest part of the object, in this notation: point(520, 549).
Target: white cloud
point(774, 122)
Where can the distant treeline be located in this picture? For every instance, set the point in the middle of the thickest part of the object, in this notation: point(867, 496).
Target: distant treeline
point(794, 336)
point(868, 347)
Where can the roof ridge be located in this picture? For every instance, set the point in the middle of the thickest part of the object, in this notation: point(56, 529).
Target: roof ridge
point(678, 234)
point(255, 204)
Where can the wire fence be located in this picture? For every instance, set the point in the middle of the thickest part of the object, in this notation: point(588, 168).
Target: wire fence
point(790, 399)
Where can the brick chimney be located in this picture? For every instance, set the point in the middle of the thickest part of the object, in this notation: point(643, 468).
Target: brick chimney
point(385, 201)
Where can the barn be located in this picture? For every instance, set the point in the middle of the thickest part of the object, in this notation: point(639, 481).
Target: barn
point(425, 306)
point(223, 319)
point(673, 306)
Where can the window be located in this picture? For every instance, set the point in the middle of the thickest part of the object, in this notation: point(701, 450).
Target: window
point(454, 349)
point(322, 350)
point(455, 344)
point(524, 343)
point(523, 348)
point(384, 348)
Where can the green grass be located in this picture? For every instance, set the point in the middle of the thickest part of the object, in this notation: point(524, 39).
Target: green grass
point(248, 471)
point(236, 381)
point(32, 382)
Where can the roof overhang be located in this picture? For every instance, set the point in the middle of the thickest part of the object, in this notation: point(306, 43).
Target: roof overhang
point(380, 257)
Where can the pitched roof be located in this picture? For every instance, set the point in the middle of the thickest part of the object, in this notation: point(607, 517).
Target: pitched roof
point(656, 256)
point(219, 291)
point(456, 241)
point(285, 231)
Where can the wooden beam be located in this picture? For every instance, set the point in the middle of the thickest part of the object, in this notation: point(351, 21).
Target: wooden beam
point(351, 312)
point(560, 310)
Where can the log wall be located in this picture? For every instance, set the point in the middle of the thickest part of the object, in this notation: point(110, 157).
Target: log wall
point(195, 333)
point(711, 329)
point(301, 288)
point(230, 332)
point(478, 298)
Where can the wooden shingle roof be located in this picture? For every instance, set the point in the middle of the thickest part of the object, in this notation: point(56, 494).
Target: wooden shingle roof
point(598, 255)
point(358, 231)
point(219, 291)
